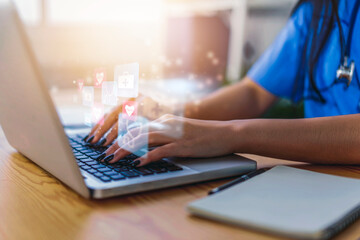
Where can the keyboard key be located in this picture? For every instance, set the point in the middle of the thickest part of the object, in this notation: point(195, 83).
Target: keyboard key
point(85, 167)
point(122, 168)
point(97, 166)
point(121, 163)
point(161, 162)
point(104, 169)
point(109, 173)
point(117, 177)
point(86, 160)
point(174, 168)
point(131, 157)
point(105, 179)
point(92, 171)
point(97, 174)
point(81, 149)
point(91, 162)
point(156, 169)
point(93, 155)
point(129, 174)
point(87, 151)
point(143, 171)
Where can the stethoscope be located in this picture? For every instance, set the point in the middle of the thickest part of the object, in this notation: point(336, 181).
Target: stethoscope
point(346, 69)
point(347, 66)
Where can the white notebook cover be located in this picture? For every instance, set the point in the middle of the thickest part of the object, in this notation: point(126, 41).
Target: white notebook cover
point(288, 201)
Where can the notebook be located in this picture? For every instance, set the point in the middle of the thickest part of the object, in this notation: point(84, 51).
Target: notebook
point(287, 201)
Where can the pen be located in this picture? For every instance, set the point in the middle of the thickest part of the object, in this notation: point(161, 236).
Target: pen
point(236, 181)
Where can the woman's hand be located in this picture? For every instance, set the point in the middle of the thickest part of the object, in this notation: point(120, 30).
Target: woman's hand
point(109, 121)
point(175, 137)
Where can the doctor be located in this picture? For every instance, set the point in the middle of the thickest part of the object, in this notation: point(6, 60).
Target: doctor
point(315, 58)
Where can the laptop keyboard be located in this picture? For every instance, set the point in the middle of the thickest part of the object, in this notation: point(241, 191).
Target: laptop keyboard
point(87, 154)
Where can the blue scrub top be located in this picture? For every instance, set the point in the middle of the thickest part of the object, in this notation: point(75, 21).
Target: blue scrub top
point(277, 70)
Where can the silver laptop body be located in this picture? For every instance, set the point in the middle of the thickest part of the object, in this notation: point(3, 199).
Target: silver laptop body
point(30, 122)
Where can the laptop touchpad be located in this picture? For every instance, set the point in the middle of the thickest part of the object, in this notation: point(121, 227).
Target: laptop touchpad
point(208, 164)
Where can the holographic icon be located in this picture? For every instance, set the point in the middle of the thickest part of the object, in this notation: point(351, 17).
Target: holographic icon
point(88, 96)
point(129, 110)
point(109, 96)
point(127, 80)
point(97, 114)
point(87, 119)
point(132, 134)
point(99, 77)
point(80, 84)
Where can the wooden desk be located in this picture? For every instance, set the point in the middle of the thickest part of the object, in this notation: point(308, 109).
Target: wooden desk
point(34, 205)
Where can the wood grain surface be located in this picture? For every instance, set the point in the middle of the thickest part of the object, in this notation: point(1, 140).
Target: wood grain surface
point(34, 205)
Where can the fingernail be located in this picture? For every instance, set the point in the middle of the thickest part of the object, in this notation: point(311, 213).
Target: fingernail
point(85, 137)
point(101, 156)
point(135, 163)
point(109, 158)
point(90, 139)
point(101, 142)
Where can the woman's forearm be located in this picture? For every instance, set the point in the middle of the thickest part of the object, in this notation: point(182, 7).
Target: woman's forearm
point(330, 140)
point(242, 100)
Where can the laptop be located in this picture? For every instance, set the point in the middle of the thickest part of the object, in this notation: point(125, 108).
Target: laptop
point(31, 125)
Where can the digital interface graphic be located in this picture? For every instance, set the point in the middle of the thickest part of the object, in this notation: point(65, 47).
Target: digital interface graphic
point(129, 110)
point(127, 80)
point(99, 77)
point(132, 134)
point(94, 115)
point(109, 96)
point(98, 113)
point(88, 96)
point(153, 104)
point(88, 119)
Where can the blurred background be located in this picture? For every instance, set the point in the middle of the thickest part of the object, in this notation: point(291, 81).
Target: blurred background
point(212, 41)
